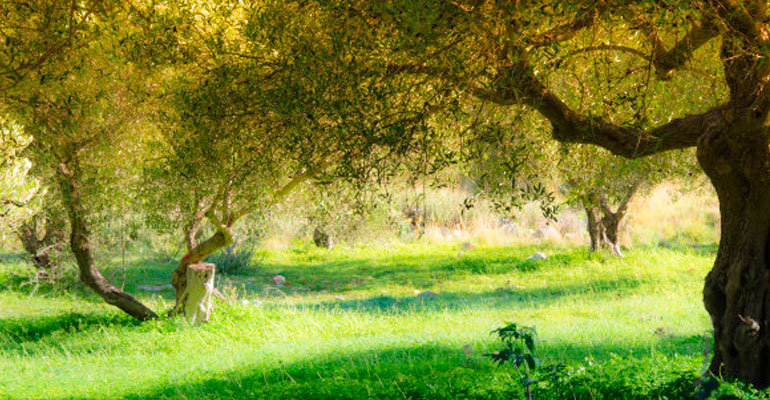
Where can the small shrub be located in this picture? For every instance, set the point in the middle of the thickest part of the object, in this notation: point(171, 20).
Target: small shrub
point(233, 260)
point(718, 389)
point(519, 351)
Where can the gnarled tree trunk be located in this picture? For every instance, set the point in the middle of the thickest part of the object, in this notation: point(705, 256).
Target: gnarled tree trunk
point(611, 225)
point(191, 228)
point(736, 292)
point(603, 224)
point(595, 228)
point(69, 182)
point(39, 249)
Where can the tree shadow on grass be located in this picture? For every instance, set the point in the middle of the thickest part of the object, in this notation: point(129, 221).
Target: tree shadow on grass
point(419, 271)
point(432, 371)
point(18, 331)
point(14, 258)
point(138, 272)
point(503, 297)
point(701, 249)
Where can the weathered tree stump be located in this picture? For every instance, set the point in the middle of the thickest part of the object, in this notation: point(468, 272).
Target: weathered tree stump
point(195, 302)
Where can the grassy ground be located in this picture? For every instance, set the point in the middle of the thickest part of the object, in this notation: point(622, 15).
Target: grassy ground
point(350, 325)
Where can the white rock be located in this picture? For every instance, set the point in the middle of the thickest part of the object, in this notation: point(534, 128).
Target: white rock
point(537, 256)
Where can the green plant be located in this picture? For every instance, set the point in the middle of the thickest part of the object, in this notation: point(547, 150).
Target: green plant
point(718, 389)
point(519, 351)
point(233, 260)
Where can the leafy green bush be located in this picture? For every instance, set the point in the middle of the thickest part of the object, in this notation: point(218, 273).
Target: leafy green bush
point(717, 389)
point(621, 379)
point(617, 379)
point(519, 351)
point(233, 260)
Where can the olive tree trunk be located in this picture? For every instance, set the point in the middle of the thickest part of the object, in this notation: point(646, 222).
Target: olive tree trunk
point(611, 226)
point(737, 289)
point(603, 224)
point(69, 182)
point(594, 226)
point(39, 249)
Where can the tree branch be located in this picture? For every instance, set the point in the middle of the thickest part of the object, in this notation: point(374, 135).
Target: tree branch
point(517, 84)
point(605, 207)
point(588, 16)
point(749, 21)
point(667, 61)
point(627, 196)
point(284, 190)
point(12, 202)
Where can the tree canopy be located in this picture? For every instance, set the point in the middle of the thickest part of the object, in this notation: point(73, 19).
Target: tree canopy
point(236, 103)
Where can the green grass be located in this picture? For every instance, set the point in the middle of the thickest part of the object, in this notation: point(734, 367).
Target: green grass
point(351, 326)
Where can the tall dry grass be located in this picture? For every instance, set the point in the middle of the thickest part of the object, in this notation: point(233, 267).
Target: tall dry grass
point(668, 214)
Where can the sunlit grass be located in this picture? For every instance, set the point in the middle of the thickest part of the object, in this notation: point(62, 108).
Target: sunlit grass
point(351, 325)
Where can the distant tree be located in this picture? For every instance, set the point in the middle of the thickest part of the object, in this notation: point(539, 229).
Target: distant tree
point(27, 209)
point(82, 110)
point(604, 185)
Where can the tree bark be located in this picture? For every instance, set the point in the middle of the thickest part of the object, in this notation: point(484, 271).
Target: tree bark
point(192, 226)
point(69, 182)
point(190, 234)
point(611, 240)
point(603, 230)
point(195, 300)
point(603, 223)
point(595, 229)
point(39, 249)
point(736, 290)
point(220, 239)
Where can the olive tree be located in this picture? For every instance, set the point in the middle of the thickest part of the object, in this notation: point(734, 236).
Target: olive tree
point(81, 109)
point(504, 52)
point(260, 98)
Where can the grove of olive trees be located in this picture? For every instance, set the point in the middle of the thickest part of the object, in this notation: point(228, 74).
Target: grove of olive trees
point(208, 111)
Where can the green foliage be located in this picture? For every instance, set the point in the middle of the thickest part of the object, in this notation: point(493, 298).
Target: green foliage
point(718, 389)
point(519, 351)
point(235, 259)
point(620, 378)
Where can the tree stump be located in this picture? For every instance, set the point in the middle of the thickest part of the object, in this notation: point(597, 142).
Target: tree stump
point(195, 302)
